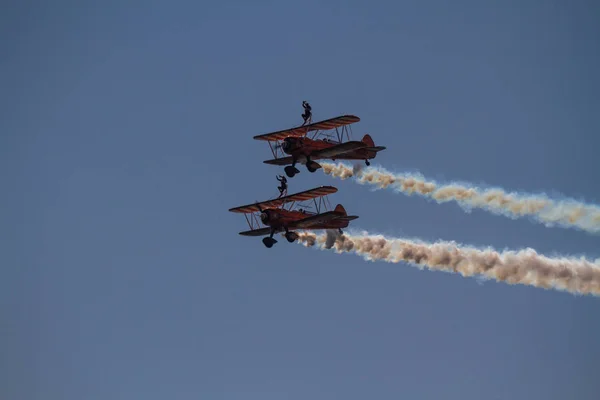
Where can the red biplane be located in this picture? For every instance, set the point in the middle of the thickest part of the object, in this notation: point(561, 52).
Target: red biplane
point(277, 218)
point(305, 150)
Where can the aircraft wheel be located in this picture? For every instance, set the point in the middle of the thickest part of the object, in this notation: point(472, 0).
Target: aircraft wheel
point(313, 166)
point(291, 171)
point(291, 236)
point(367, 162)
point(269, 242)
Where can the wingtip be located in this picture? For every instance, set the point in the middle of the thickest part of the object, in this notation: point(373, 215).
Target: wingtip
point(332, 189)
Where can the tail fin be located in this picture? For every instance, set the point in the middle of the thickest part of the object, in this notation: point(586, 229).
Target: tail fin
point(368, 140)
point(339, 208)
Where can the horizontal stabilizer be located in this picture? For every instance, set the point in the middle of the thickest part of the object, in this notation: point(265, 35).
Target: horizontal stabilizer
point(375, 148)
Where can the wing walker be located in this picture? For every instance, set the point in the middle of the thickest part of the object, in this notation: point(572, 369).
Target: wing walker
point(289, 213)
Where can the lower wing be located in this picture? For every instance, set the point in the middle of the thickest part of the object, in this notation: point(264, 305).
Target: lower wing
point(327, 153)
point(280, 161)
point(257, 232)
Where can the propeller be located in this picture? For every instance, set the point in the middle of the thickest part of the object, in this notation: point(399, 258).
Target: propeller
point(279, 146)
point(282, 145)
point(264, 216)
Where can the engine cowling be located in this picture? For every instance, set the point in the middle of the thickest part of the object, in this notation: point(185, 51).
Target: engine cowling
point(265, 217)
point(269, 217)
point(290, 144)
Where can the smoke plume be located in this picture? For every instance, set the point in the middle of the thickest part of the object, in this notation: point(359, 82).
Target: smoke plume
point(565, 213)
point(525, 267)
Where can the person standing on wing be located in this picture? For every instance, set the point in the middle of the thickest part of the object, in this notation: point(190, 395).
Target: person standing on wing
point(307, 112)
point(283, 187)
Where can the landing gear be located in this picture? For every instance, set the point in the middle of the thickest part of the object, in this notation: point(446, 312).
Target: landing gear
point(291, 236)
point(269, 241)
point(291, 170)
point(312, 166)
point(340, 231)
point(367, 162)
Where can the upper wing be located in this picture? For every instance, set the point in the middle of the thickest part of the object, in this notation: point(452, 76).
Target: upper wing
point(300, 196)
point(303, 130)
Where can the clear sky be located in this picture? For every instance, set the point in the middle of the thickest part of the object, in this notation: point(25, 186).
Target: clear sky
point(126, 135)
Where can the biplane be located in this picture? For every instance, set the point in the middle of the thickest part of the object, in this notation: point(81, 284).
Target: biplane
point(305, 149)
point(277, 218)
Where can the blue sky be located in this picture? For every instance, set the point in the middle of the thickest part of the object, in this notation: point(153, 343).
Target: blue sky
point(126, 135)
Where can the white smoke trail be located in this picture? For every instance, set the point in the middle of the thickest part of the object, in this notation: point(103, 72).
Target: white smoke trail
point(565, 213)
point(525, 267)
